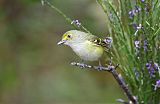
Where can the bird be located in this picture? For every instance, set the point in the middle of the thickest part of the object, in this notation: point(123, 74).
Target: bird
point(87, 46)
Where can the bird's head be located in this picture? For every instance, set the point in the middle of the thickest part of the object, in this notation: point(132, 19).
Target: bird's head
point(71, 37)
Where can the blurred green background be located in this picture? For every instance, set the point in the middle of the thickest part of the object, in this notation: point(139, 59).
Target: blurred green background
point(34, 70)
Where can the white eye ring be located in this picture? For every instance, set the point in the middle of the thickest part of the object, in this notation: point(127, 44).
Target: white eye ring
point(95, 40)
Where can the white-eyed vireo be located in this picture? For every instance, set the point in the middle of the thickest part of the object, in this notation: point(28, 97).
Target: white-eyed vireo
point(87, 46)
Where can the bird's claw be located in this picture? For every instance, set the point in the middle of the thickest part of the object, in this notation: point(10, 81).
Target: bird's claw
point(99, 68)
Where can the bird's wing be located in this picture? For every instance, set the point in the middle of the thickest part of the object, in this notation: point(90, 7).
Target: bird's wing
point(95, 40)
point(105, 43)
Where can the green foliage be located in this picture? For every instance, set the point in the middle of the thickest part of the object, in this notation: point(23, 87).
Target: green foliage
point(136, 47)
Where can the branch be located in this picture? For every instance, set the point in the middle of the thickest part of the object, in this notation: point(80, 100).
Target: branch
point(118, 77)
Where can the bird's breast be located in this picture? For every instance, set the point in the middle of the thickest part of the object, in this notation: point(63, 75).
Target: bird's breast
point(87, 51)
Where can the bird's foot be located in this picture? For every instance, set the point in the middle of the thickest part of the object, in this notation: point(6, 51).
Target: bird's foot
point(99, 68)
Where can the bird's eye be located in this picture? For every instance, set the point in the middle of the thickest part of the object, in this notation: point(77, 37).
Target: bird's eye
point(69, 36)
point(95, 40)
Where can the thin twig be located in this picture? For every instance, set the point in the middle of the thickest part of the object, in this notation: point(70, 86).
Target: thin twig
point(69, 20)
point(118, 77)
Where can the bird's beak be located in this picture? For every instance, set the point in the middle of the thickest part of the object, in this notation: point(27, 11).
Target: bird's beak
point(61, 42)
